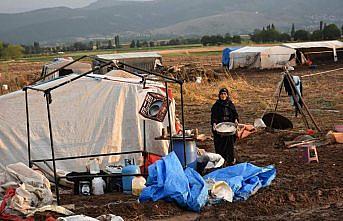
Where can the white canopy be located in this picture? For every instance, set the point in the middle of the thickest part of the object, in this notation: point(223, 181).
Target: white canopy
point(94, 114)
point(315, 44)
point(333, 45)
point(77, 67)
point(144, 60)
point(121, 56)
point(262, 57)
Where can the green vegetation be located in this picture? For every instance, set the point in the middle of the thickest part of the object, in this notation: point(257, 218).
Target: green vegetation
point(270, 34)
point(9, 51)
point(219, 39)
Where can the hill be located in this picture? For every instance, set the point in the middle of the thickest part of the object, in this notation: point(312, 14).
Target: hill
point(165, 17)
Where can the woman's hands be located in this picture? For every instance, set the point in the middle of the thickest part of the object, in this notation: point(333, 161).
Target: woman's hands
point(214, 126)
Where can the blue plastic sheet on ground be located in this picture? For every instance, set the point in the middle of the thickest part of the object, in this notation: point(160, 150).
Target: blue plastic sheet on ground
point(168, 181)
point(245, 179)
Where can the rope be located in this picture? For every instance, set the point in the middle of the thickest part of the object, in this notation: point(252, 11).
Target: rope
point(324, 72)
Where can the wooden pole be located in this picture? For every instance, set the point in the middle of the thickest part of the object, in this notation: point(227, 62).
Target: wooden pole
point(296, 100)
point(305, 106)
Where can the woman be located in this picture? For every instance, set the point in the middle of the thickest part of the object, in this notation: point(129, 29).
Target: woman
point(224, 111)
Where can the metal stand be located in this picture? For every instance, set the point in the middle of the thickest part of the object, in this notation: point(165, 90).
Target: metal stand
point(47, 94)
point(295, 94)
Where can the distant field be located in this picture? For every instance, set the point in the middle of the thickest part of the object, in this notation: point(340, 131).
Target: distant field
point(163, 49)
point(166, 51)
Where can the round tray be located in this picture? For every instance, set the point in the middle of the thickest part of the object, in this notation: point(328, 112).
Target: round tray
point(229, 133)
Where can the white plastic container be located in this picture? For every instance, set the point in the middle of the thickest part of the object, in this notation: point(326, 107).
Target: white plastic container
point(138, 184)
point(98, 186)
point(94, 167)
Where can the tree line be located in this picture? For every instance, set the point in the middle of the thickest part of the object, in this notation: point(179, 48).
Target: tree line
point(267, 34)
point(271, 34)
point(171, 42)
point(10, 51)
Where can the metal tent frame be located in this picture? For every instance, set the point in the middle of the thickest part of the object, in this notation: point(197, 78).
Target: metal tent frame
point(47, 94)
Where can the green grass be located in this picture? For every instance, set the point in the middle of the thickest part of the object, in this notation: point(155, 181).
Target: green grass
point(190, 54)
point(76, 54)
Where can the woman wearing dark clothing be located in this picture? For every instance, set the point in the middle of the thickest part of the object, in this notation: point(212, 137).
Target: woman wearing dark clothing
point(224, 111)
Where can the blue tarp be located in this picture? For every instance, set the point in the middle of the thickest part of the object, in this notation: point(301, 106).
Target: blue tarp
point(168, 181)
point(226, 55)
point(244, 178)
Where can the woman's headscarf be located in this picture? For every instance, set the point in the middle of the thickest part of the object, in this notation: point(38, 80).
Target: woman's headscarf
point(224, 90)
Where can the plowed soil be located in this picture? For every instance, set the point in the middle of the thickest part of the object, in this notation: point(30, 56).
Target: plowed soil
point(301, 191)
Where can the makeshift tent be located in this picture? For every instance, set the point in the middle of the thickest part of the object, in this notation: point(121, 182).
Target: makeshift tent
point(262, 57)
point(316, 48)
point(92, 115)
point(226, 55)
point(144, 60)
point(77, 67)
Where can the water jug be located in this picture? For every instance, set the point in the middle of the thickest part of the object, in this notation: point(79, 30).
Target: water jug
point(129, 169)
point(138, 183)
point(98, 185)
point(93, 165)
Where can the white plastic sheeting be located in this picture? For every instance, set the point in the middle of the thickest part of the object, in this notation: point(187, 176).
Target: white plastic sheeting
point(334, 45)
point(262, 57)
point(315, 44)
point(91, 115)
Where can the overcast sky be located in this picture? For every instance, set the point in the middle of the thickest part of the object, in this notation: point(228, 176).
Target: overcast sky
point(13, 6)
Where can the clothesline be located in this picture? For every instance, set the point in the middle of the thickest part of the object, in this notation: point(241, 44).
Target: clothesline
point(323, 72)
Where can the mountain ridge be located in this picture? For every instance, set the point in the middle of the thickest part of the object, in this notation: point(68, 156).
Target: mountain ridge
point(165, 17)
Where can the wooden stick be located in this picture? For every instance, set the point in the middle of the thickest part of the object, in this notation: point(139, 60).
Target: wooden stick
point(296, 100)
point(306, 108)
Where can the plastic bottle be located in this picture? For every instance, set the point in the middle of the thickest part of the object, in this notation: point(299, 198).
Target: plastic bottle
point(98, 186)
point(138, 184)
point(94, 167)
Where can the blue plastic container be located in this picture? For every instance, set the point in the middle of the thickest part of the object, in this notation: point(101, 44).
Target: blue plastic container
point(129, 169)
point(191, 152)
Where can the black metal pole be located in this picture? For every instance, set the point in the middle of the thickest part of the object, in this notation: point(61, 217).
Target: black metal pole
point(150, 72)
point(144, 146)
point(28, 128)
point(66, 65)
point(277, 101)
point(79, 76)
point(47, 96)
point(169, 120)
point(89, 156)
point(183, 125)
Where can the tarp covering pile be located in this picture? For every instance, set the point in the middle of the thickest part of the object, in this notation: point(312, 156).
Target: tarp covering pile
point(168, 181)
point(245, 179)
point(92, 115)
point(262, 57)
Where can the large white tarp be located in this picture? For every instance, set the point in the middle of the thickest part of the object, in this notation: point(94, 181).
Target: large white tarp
point(315, 44)
point(262, 57)
point(131, 55)
point(90, 115)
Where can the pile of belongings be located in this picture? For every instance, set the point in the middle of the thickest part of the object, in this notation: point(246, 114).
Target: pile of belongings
point(108, 217)
point(170, 182)
point(336, 136)
point(24, 191)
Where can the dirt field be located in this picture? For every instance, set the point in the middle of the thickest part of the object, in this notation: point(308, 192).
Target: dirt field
point(299, 192)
